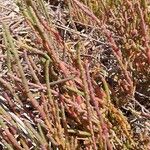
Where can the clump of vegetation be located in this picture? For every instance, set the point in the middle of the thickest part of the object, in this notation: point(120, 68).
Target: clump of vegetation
point(76, 76)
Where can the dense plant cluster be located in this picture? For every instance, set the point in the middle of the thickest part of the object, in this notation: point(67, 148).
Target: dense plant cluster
point(75, 75)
